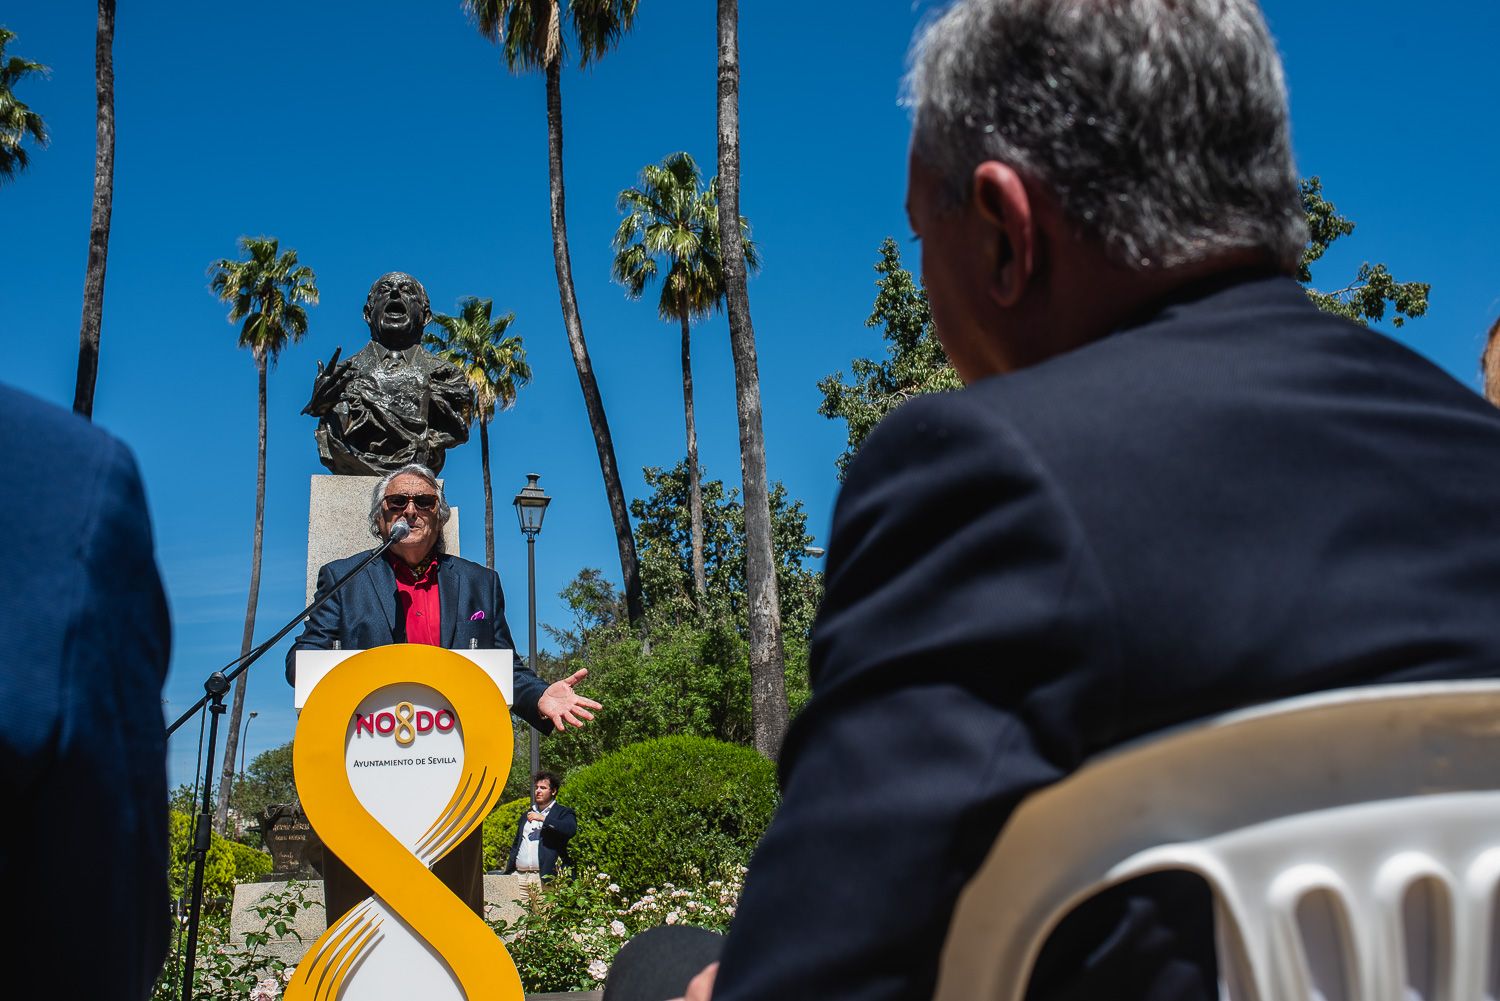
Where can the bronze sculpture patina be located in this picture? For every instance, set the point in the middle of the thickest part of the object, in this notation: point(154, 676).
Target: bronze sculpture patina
point(393, 402)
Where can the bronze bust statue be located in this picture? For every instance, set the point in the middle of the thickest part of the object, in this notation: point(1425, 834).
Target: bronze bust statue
point(393, 402)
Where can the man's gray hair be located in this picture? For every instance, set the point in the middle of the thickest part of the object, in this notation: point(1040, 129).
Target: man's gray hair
point(444, 512)
point(1160, 125)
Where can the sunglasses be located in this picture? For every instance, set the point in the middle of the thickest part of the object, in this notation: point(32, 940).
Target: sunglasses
point(398, 502)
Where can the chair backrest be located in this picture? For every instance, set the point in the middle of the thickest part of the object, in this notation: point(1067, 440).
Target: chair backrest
point(1351, 840)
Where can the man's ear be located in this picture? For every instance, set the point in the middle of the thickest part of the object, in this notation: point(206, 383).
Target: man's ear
point(1001, 201)
point(367, 311)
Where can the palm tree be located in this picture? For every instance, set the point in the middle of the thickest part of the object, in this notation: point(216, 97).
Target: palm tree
point(531, 35)
point(104, 197)
point(768, 706)
point(672, 217)
point(496, 367)
point(17, 121)
point(267, 291)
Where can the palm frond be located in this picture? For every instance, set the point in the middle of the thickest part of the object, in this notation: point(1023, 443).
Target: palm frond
point(672, 220)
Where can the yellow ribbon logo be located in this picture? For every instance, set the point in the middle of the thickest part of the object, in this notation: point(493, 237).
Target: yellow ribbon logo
point(410, 903)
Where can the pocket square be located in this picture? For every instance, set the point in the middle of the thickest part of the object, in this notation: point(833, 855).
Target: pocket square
point(477, 616)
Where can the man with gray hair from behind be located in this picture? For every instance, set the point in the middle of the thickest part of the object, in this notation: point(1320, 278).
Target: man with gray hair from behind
point(1169, 488)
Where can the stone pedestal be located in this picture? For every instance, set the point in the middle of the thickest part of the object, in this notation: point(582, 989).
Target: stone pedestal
point(502, 896)
point(338, 522)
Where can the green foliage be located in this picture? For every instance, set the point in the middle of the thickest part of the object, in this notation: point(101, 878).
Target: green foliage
point(494, 364)
point(228, 971)
point(664, 543)
point(532, 38)
point(914, 363)
point(268, 291)
point(670, 809)
point(671, 217)
point(1365, 298)
point(597, 608)
point(500, 830)
point(567, 937)
point(693, 678)
point(227, 863)
point(267, 780)
point(17, 120)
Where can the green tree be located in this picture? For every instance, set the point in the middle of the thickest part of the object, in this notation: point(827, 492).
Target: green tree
point(269, 779)
point(672, 218)
point(228, 863)
point(767, 666)
point(1365, 298)
point(691, 678)
point(914, 363)
point(267, 291)
point(530, 33)
point(104, 199)
point(495, 366)
point(17, 120)
point(662, 536)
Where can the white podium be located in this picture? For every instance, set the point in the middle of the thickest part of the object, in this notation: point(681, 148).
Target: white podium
point(400, 753)
point(313, 665)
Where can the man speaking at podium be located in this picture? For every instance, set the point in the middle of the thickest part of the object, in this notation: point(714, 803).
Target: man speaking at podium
point(420, 594)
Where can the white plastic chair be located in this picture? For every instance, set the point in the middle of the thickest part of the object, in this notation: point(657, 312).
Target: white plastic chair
point(1351, 840)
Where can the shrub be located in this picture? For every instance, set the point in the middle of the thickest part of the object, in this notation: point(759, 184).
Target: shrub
point(566, 938)
point(227, 971)
point(674, 809)
point(500, 831)
point(228, 862)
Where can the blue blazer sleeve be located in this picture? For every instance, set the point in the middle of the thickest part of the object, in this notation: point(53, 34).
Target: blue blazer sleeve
point(82, 741)
point(527, 688)
point(321, 627)
point(963, 641)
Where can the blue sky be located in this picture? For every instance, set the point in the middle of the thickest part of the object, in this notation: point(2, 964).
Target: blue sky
point(387, 135)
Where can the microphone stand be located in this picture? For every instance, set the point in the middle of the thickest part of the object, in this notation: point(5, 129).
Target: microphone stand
point(214, 689)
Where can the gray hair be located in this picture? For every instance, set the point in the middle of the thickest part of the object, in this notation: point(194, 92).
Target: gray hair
point(444, 512)
point(1160, 125)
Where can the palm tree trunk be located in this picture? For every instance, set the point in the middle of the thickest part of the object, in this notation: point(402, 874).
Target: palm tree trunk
point(104, 196)
point(768, 706)
point(629, 569)
point(237, 706)
point(695, 491)
point(489, 497)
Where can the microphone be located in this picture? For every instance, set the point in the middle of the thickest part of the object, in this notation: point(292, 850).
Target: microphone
point(399, 530)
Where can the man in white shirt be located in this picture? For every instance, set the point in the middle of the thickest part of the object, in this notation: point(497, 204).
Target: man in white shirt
point(541, 842)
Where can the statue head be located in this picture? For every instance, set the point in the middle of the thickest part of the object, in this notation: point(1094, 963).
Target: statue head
point(397, 310)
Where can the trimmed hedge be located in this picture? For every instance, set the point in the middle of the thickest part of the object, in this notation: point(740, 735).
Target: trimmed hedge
point(228, 862)
point(674, 809)
point(500, 830)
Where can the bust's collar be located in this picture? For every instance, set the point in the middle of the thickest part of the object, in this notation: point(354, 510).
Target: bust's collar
point(382, 352)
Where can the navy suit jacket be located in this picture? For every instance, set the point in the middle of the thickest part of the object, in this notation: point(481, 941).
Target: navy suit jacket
point(559, 826)
point(82, 744)
point(1237, 498)
point(364, 615)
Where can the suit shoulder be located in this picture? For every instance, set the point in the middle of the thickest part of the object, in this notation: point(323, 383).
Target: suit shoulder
point(48, 437)
point(930, 440)
point(467, 567)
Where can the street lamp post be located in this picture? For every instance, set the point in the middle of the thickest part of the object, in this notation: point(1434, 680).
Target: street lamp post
point(240, 785)
point(531, 506)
